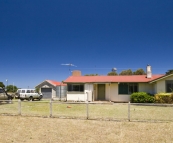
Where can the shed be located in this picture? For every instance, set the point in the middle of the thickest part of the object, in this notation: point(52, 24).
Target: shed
point(53, 89)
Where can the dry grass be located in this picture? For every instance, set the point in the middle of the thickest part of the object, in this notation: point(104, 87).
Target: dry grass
point(19, 129)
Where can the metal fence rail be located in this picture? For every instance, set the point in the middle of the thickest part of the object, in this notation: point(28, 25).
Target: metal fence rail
point(89, 110)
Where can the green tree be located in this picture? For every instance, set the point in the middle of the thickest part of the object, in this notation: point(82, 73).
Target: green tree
point(2, 84)
point(112, 73)
point(139, 72)
point(11, 88)
point(91, 74)
point(169, 72)
point(37, 89)
point(126, 72)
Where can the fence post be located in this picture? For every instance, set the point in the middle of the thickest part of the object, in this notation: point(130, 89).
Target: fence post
point(129, 111)
point(19, 106)
point(87, 107)
point(50, 108)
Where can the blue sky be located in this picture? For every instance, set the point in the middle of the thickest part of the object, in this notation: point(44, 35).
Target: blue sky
point(36, 37)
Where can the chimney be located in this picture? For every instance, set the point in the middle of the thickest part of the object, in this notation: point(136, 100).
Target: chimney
point(149, 73)
point(76, 73)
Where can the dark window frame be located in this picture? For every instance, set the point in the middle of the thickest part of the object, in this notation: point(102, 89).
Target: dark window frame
point(75, 87)
point(170, 88)
point(127, 88)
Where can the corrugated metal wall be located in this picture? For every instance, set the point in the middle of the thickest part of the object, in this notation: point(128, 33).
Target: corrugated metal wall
point(61, 92)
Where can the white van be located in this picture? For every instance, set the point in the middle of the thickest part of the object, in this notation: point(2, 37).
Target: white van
point(29, 94)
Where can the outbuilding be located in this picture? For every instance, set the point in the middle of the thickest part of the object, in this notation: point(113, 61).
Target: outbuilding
point(52, 89)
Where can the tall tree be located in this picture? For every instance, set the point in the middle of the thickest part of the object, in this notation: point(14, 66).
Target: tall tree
point(2, 84)
point(11, 88)
point(112, 73)
point(126, 72)
point(139, 72)
point(91, 74)
point(169, 72)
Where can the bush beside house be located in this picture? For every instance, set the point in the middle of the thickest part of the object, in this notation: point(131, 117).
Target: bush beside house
point(141, 97)
point(164, 98)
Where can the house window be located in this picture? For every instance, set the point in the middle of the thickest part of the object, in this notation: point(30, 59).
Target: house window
point(169, 86)
point(127, 88)
point(133, 87)
point(123, 88)
point(76, 87)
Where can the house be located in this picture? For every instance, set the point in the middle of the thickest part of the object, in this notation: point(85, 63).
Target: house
point(52, 89)
point(115, 88)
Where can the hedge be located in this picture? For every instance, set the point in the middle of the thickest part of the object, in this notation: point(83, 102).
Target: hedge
point(164, 98)
point(141, 97)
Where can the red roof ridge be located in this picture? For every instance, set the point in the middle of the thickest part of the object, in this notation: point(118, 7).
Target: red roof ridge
point(55, 83)
point(118, 78)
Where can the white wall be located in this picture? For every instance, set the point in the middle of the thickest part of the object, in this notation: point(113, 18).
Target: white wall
point(76, 97)
point(160, 85)
point(112, 93)
point(123, 98)
point(89, 89)
point(87, 95)
point(53, 93)
point(146, 87)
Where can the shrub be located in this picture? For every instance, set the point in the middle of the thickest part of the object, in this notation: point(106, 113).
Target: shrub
point(164, 98)
point(141, 97)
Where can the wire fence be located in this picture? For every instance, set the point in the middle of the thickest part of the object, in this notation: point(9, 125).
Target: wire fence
point(89, 110)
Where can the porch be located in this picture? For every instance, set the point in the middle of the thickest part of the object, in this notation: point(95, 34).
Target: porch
point(98, 92)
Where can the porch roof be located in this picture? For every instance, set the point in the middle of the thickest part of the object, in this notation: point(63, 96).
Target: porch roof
point(110, 79)
point(163, 77)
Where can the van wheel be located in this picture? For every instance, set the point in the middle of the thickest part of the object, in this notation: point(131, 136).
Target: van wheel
point(30, 98)
point(40, 97)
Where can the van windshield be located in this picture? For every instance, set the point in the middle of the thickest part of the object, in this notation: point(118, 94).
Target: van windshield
point(18, 91)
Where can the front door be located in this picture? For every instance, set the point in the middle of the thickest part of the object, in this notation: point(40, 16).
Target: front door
point(101, 91)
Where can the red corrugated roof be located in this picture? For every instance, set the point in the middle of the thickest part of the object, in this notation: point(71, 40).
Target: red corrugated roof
point(118, 78)
point(56, 83)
